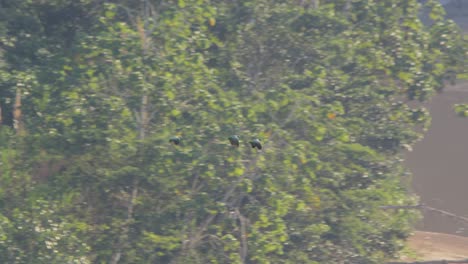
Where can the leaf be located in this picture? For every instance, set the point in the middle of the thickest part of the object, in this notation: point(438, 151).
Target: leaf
point(181, 3)
point(319, 133)
point(249, 185)
point(212, 22)
point(175, 112)
point(162, 242)
point(404, 76)
point(170, 95)
point(238, 171)
point(109, 14)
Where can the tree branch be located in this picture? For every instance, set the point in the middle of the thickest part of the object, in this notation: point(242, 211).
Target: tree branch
point(142, 119)
point(123, 238)
point(1, 115)
point(243, 235)
point(442, 261)
point(420, 206)
point(17, 115)
point(427, 208)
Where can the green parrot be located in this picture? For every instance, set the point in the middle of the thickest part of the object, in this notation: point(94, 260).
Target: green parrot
point(234, 140)
point(256, 143)
point(175, 140)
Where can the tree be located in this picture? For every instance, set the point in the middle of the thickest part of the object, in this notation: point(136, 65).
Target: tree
point(323, 87)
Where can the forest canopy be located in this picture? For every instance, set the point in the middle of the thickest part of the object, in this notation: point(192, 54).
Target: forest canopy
point(94, 96)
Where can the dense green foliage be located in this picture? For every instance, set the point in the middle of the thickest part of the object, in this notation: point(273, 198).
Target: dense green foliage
point(87, 171)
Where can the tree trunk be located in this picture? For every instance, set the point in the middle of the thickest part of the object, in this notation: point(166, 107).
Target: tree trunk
point(17, 115)
point(1, 120)
point(123, 238)
point(315, 4)
point(143, 120)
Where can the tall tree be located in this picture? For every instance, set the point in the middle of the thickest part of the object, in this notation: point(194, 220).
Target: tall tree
point(323, 85)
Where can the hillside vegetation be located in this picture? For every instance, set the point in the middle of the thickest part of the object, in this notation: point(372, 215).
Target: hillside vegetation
point(91, 93)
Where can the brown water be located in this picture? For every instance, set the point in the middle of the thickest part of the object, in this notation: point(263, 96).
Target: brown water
point(439, 162)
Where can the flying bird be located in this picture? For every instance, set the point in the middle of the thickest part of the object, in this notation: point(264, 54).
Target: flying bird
point(256, 143)
point(234, 140)
point(175, 140)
